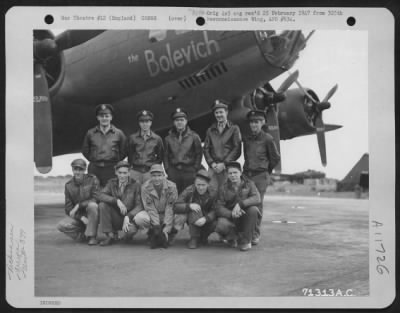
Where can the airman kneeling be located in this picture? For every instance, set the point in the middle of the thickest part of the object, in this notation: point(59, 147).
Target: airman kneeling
point(158, 197)
point(80, 205)
point(121, 207)
point(237, 208)
point(197, 201)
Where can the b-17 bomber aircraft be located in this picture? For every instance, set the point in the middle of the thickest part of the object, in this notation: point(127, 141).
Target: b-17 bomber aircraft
point(160, 70)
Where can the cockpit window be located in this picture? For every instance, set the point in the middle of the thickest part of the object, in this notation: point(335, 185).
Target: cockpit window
point(156, 35)
point(265, 34)
point(282, 48)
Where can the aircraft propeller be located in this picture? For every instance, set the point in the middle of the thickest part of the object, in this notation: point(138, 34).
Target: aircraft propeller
point(268, 100)
point(44, 48)
point(316, 109)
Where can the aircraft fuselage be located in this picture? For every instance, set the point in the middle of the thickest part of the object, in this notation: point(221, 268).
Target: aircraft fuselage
point(134, 71)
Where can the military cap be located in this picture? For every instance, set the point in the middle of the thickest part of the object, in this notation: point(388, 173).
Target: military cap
point(144, 115)
point(122, 164)
point(104, 109)
point(156, 168)
point(234, 164)
point(256, 115)
point(203, 174)
point(219, 104)
point(79, 163)
point(178, 113)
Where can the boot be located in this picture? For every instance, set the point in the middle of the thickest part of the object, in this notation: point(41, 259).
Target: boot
point(203, 240)
point(255, 240)
point(245, 246)
point(193, 243)
point(154, 235)
point(232, 243)
point(171, 236)
point(163, 240)
point(92, 241)
point(107, 242)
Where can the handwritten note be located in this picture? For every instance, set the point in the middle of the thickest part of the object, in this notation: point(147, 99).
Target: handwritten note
point(16, 257)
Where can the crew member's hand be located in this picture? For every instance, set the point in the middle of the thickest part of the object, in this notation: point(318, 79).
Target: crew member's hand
point(195, 207)
point(236, 212)
point(84, 220)
point(165, 233)
point(220, 167)
point(122, 207)
point(126, 224)
point(74, 210)
point(214, 166)
point(200, 222)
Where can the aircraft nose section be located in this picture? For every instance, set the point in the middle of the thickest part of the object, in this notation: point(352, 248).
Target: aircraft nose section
point(281, 49)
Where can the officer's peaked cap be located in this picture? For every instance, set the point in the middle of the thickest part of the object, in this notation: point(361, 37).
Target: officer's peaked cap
point(104, 108)
point(144, 115)
point(220, 104)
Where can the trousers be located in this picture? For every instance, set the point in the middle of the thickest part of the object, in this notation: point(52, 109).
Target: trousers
point(179, 221)
point(261, 182)
point(139, 176)
point(217, 179)
point(202, 232)
point(102, 173)
point(242, 227)
point(73, 227)
point(111, 219)
point(181, 177)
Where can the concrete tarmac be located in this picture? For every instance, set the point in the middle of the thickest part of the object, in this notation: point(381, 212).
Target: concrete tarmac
point(307, 242)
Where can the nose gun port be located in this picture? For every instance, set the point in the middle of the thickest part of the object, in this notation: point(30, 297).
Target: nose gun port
point(281, 49)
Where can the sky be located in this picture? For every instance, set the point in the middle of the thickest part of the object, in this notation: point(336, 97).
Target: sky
point(331, 57)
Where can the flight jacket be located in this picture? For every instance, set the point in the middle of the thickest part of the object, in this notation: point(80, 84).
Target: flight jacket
point(224, 147)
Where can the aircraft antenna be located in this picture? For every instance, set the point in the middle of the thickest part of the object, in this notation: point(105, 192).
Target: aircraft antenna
point(309, 35)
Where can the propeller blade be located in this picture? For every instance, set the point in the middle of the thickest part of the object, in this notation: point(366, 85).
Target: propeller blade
point(320, 129)
point(45, 48)
point(43, 132)
point(273, 130)
point(330, 93)
point(288, 81)
point(305, 92)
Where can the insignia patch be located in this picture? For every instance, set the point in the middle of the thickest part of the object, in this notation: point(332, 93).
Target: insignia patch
point(178, 110)
point(103, 107)
point(144, 112)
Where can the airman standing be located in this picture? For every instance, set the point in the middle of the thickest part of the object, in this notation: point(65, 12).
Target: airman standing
point(222, 144)
point(260, 158)
point(104, 145)
point(145, 148)
point(183, 152)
